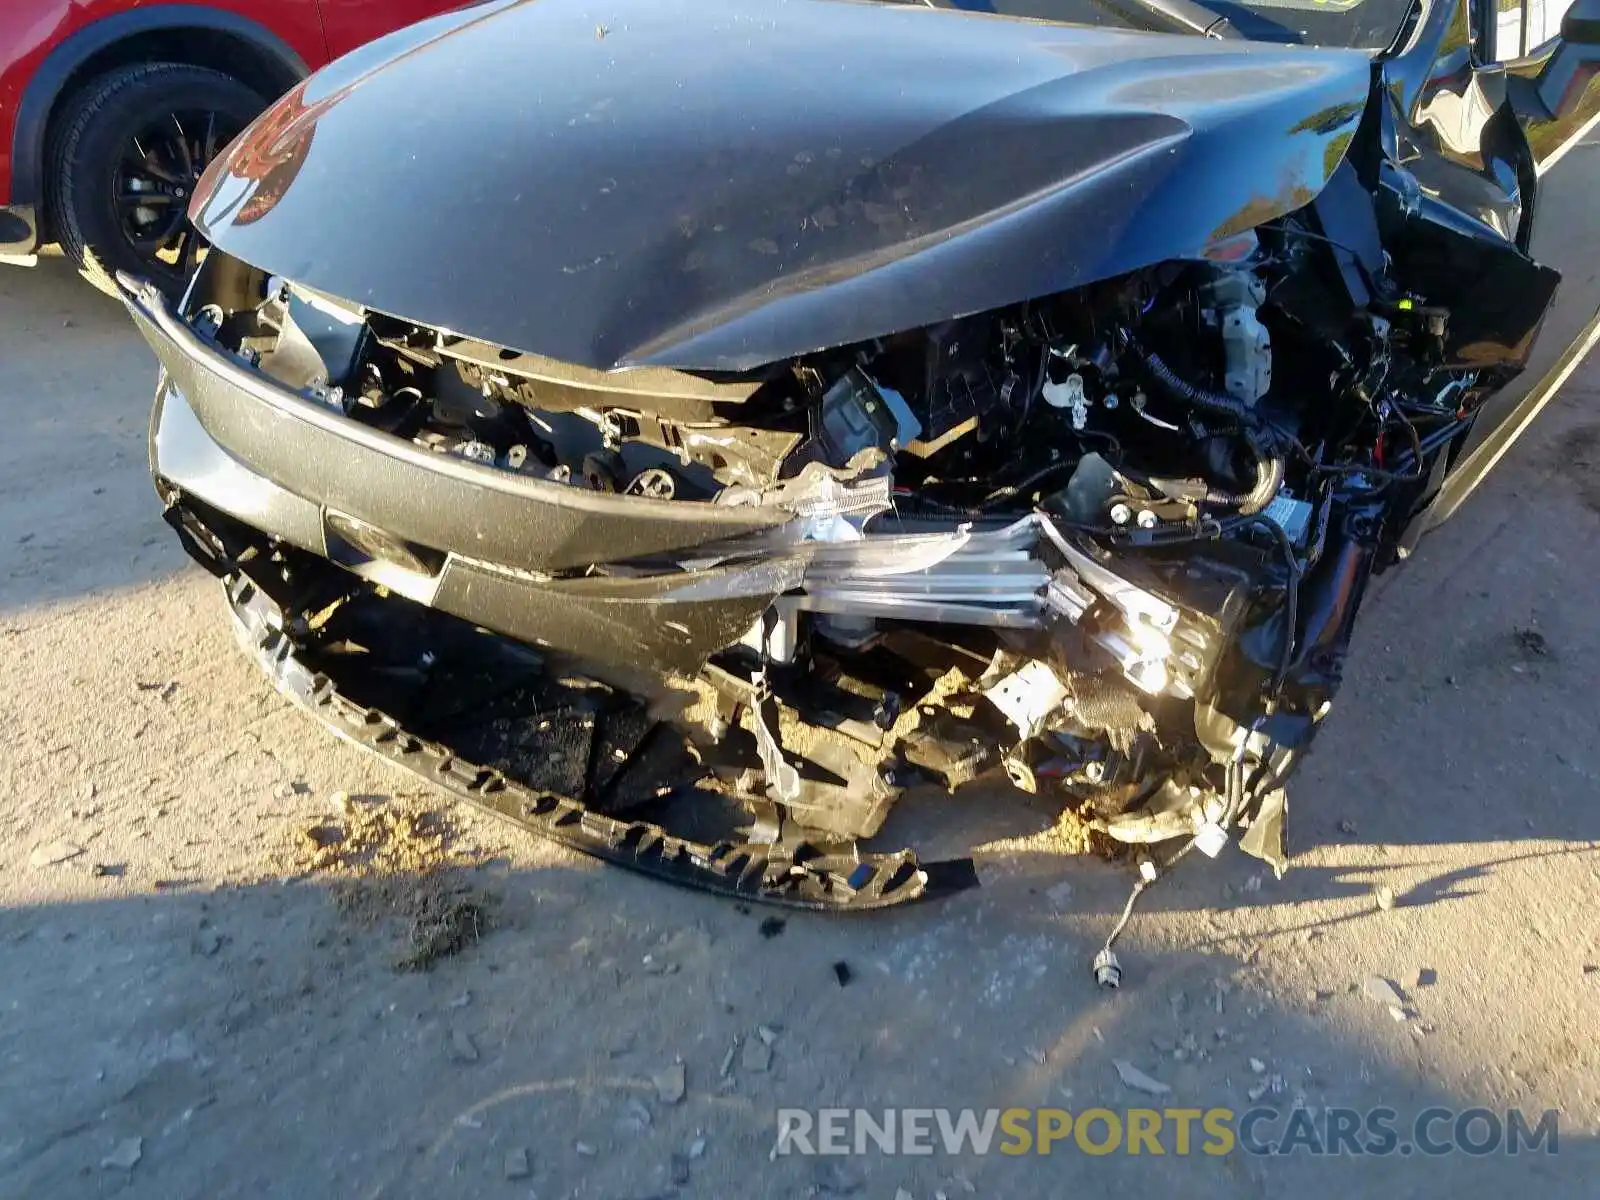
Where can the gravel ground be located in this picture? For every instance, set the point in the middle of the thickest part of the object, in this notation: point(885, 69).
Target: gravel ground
point(200, 1002)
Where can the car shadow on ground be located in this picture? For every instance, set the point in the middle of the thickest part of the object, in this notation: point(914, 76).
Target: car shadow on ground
point(258, 1040)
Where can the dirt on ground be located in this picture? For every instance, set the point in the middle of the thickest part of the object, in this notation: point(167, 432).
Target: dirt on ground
point(1580, 465)
point(242, 959)
point(392, 863)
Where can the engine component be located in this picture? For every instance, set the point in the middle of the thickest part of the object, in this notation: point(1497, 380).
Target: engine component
point(602, 470)
point(1028, 696)
point(1236, 297)
point(1086, 498)
point(1290, 515)
point(857, 414)
point(655, 482)
point(1069, 394)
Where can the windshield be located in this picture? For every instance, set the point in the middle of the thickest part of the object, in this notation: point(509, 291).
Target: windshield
point(1359, 24)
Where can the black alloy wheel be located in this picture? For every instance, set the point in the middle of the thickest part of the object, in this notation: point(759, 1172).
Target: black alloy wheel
point(129, 153)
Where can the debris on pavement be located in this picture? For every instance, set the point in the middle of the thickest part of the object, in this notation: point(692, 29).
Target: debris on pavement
point(53, 853)
point(397, 862)
point(771, 927)
point(842, 973)
point(1532, 643)
point(670, 1084)
point(1274, 1084)
point(1384, 896)
point(125, 1156)
point(516, 1164)
point(207, 942)
point(638, 1119)
point(1133, 1077)
point(756, 1055)
point(1381, 990)
point(446, 918)
point(462, 1047)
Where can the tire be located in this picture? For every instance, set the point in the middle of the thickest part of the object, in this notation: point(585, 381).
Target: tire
point(95, 157)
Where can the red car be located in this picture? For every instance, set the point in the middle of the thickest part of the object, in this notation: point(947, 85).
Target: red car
point(110, 110)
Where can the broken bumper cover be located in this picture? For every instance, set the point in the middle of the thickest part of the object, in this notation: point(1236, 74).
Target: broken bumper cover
point(508, 552)
point(261, 430)
point(466, 539)
point(793, 875)
point(623, 580)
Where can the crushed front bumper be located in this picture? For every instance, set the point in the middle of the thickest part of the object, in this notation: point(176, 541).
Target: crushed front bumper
point(235, 458)
point(250, 468)
point(451, 534)
point(793, 875)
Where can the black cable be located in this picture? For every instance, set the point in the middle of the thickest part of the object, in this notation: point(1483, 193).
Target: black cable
point(1038, 385)
point(1416, 441)
point(1139, 887)
point(1376, 474)
point(1111, 439)
point(1011, 490)
point(1175, 385)
point(1320, 237)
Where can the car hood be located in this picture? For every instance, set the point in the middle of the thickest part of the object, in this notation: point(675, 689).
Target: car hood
point(708, 187)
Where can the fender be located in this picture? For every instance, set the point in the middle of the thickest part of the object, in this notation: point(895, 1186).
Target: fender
point(50, 81)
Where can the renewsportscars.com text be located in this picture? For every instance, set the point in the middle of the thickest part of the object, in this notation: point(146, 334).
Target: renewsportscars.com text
point(1160, 1131)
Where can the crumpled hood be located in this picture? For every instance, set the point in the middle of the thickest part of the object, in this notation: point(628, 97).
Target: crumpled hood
point(716, 186)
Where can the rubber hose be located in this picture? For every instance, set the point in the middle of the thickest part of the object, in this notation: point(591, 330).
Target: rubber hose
point(1269, 478)
point(1269, 468)
point(1212, 402)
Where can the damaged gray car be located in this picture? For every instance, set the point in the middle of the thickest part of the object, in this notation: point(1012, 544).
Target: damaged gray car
point(683, 428)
